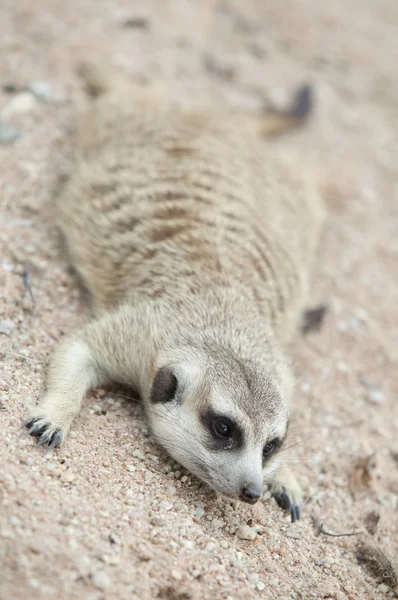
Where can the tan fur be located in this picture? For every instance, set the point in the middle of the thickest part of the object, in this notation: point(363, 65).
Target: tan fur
point(194, 240)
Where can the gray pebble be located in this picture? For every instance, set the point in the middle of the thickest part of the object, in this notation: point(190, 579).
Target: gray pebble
point(8, 134)
point(6, 327)
point(199, 512)
point(375, 396)
point(42, 91)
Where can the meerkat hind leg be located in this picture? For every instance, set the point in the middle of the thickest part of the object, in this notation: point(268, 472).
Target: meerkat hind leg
point(72, 372)
point(285, 488)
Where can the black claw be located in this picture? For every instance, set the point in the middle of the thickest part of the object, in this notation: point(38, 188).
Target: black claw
point(56, 439)
point(295, 513)
point(37, 431)
point(43, 439)
point(41, 432)
point(283, 500)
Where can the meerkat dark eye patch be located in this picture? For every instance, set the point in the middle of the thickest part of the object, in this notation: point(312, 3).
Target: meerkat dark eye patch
point(164, 386)
point(271, 447)
point(224, 432)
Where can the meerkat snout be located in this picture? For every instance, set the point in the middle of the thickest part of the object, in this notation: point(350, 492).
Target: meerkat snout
point(250, 494)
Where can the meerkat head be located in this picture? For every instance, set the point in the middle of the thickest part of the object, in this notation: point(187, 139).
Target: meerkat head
point(221, 418)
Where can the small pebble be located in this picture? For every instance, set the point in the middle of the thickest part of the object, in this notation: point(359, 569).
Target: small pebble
point(42, 91)
point(375, 396)
point(8, 134)
point(166, 505)
point(196, 573)
point(383, 588)
point(218, 523)
point(260, 586)
point(100, 580)
point(138, 454)
point(67, 477)
point(245, 532)
point(130, 468)
point(6, 326)
point(176, 575)
point(199, 512)
point(21, 103)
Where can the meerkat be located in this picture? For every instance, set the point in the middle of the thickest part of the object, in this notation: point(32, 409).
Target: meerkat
point(195, 243)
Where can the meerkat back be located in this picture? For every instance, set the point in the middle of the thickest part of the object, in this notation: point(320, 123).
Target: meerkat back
point(159, 192)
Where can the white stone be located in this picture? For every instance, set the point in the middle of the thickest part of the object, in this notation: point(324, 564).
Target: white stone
point(100, 580)
point(245, 532)
point(21, 103)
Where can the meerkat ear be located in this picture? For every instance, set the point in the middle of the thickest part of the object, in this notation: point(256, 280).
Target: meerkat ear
point(164, 386)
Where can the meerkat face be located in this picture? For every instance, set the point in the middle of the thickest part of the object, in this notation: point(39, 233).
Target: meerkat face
point(223, 424)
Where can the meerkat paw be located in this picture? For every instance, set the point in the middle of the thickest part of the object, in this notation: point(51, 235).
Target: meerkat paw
point(50, 426)
point(48, 435)
point(287, 493)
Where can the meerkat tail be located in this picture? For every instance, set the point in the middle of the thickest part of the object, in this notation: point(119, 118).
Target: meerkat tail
point(276, 122)
point(100, 80)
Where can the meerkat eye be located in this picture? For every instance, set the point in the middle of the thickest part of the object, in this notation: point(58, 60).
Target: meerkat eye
point(270, 448)
point(221, 427)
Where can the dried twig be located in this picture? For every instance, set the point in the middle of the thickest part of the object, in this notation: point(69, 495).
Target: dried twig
point(23, 357)
point(320, 529)
point(26, 282)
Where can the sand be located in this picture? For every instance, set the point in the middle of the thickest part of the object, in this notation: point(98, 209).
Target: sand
point(109, 515)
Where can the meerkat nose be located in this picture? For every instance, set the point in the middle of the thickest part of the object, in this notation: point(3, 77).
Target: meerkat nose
point(250, 494)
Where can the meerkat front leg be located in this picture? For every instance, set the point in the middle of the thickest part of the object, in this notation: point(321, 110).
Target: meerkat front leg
point(72, 372)
point(285, 488)
point(101, 352)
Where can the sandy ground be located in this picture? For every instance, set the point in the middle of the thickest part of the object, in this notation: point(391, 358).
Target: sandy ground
point(109, 516)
